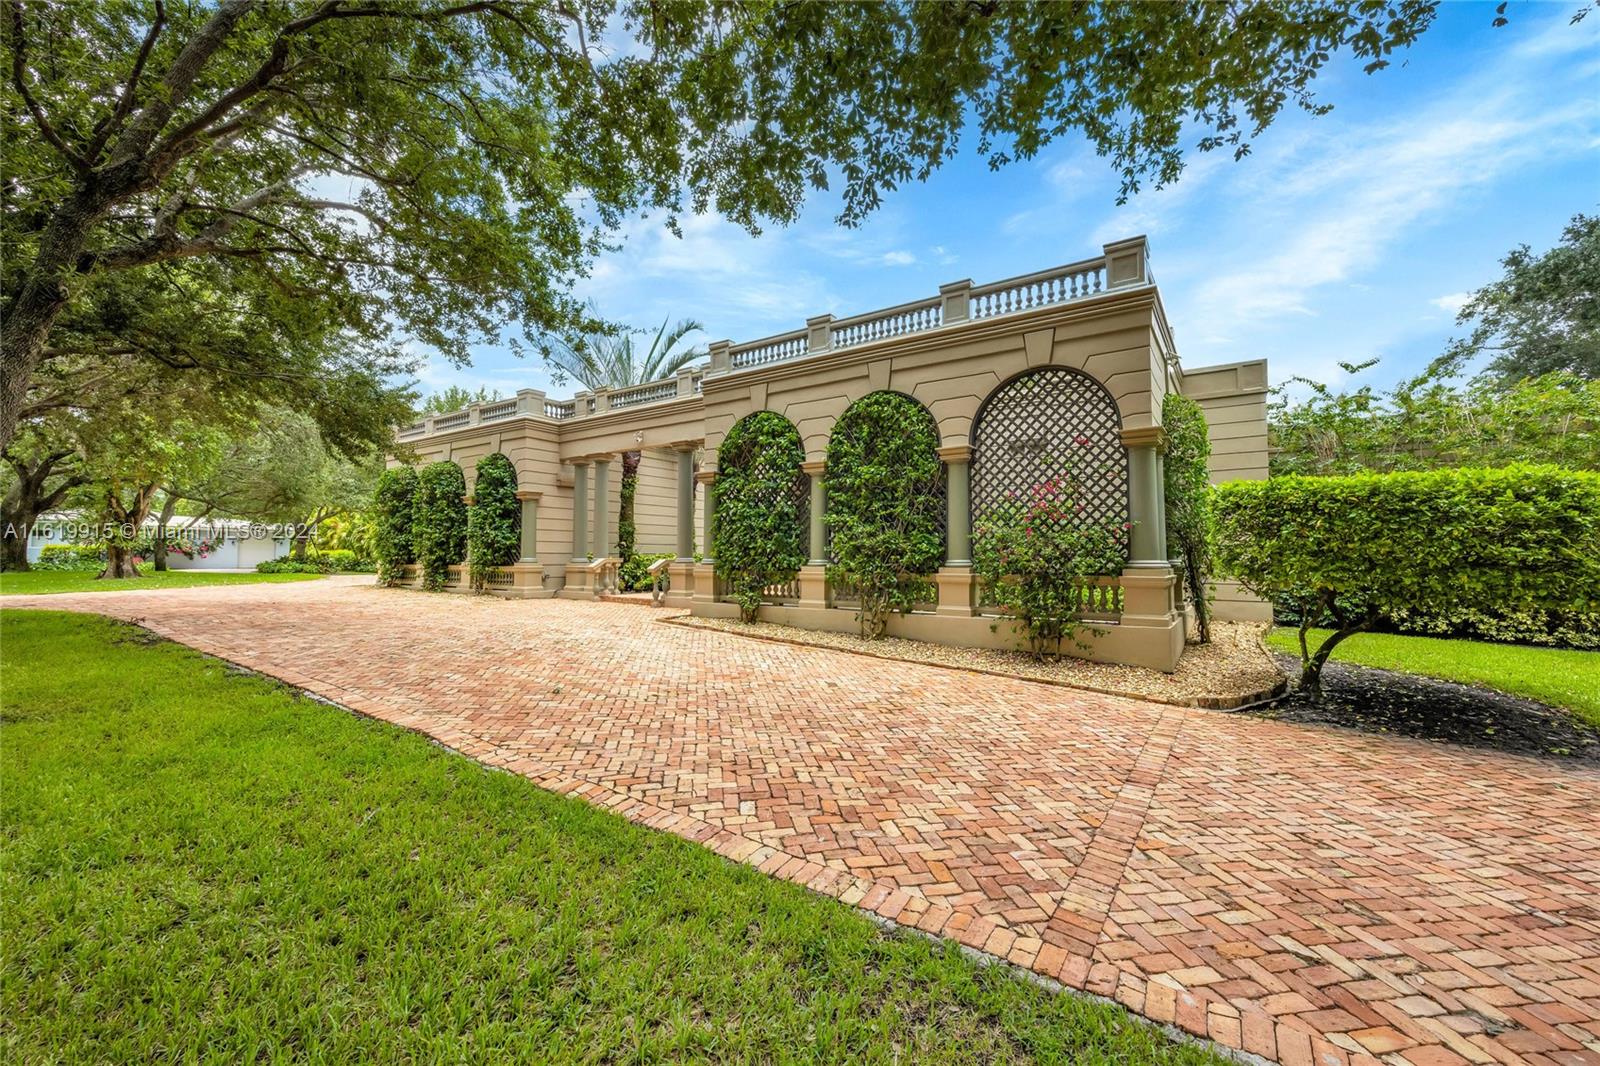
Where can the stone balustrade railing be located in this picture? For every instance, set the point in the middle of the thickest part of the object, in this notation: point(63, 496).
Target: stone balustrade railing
point(1121, 265)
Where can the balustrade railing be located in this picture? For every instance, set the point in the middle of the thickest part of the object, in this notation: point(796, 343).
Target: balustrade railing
point(650, 392)
point(493, 412)
point(893, 322)
point(460, 418)
point(1072, 282)
point(770, 349)
point(559, 409)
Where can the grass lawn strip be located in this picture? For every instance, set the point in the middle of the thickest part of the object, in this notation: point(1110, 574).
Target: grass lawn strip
point(1557, 676)
point(40, 582)
point(198, 862)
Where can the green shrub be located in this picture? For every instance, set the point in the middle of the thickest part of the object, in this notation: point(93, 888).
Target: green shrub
point(342, 559)
point(885, 506)
point(1346, 552)
point(757, 507)
point(286, 565)
point(1187, 477)
point(439, 522)
point(1033, 553)
point(78, 558)
point(634, 574)
point(393, 512)
point(492, 538)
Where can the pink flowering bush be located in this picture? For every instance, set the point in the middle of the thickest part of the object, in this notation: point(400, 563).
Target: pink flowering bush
point(1033, 553)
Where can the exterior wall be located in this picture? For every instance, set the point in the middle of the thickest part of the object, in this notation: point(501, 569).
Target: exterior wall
point(1234, 399)
point(1102, 317)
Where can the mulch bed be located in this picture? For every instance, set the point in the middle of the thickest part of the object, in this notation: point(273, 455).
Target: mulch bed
point(1382, 701)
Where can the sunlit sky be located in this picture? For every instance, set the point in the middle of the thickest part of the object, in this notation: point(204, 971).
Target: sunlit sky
point(1345, 237)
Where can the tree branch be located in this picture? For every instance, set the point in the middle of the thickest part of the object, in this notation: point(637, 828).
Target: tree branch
point(129, 90)
point(20, 81)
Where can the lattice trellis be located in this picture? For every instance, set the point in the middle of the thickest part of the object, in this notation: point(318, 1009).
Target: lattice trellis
point(1051, 423)
point(936, 494)
point(763, 470)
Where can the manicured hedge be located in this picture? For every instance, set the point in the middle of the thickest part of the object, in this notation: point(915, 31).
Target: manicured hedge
point(79, 558)
point(439, 522)
point(1349, 551)
point(393, 512)
point(492, 533)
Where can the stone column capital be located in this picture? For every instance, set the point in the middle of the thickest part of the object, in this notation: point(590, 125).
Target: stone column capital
point(815, 467)
point(705, 477)
point(956, 453)
point(528, 494)
point(1144, 437)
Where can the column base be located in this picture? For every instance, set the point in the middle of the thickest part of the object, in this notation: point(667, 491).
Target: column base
point(958, 591)
point(705, 584)
point(1149, 615)
point(580, 581)
point(814, 586)
point(527, 583)
point(680, 583)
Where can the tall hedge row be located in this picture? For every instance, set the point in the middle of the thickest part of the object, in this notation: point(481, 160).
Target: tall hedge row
point(439, 522)
point(393, 507)
point(1351, 550)
point(492, 527)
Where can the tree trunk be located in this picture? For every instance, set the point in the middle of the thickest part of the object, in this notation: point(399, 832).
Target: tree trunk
point(298, 551)
point(168, 508)
point(28, 499)
point(1197, 592)
point(1312, 664)
point(119, 562)
point(14, 550)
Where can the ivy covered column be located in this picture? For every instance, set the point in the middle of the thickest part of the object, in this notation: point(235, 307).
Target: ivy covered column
point(600, 543)
point(955, 576)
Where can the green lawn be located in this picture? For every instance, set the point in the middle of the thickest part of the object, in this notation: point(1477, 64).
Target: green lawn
point(196, 863)
point(1551, 675)
point(33, 582)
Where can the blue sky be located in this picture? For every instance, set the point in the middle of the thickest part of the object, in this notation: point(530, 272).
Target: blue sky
point(1346, 237)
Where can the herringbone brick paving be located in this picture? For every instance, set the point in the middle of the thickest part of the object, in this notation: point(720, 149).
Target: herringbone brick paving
point(1305, 894)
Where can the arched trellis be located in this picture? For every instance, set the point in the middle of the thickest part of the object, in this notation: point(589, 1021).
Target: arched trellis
point(1046, 424)
point(761, 508)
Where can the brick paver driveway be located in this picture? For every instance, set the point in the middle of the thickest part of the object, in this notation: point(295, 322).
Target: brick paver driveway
point(1305, 894)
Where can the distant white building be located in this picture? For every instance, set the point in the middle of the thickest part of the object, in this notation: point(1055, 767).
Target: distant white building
point(234, 544)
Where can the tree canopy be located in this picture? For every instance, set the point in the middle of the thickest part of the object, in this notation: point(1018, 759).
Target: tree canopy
point(1542, 316)
point(441, 169)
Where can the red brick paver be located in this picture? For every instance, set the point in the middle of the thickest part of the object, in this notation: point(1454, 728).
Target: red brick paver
point(1308, 895)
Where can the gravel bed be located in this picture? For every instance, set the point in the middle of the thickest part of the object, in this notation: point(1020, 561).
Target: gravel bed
point(1398, 704)
point(1231, 671)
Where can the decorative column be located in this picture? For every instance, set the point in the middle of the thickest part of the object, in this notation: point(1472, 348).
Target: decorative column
point(527, 576)
point(680, 572)
point(1150, 632)
point(580, 510)
point(600, 542)
point(705, 571)
point(464, 574)
point(956, 594)
point(814, 575)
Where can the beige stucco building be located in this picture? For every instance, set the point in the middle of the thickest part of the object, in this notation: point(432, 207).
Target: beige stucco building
point(1090, 340)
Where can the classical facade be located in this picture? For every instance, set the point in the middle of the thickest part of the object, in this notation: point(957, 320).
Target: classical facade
point(1079, 355)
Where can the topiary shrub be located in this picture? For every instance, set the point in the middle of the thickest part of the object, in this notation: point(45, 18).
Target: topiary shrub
point(1349, 551)
point(757, 529)
point(885, 506)
point(439, 522)
point(1034, 553)
point(1187, 475)
point(492, 535)
point(393, 512)
point(78, 558)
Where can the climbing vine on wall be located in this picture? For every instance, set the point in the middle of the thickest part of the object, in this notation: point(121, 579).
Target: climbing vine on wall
point(439, 522)
point(758, 500)
point(393, 506)
point(492, 529)
point(885, 506)
point(1188, 494)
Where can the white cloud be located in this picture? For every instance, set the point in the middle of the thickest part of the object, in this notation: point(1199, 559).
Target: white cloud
point(1452, 302)
point(898, 257)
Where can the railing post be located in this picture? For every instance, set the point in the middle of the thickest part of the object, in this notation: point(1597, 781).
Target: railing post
point(955, 301)
point(474, 413)
point(602, 401)
point(686, 381)
point(530, 402)
point(721, 358)
point(1127, 263)
point(580, 404)
point(819, 333)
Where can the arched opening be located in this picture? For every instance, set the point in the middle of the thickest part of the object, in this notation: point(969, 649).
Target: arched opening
point(1049, 426)
point(760, 511)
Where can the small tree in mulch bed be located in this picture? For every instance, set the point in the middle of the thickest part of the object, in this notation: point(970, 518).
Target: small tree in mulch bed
point(1347, 551)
